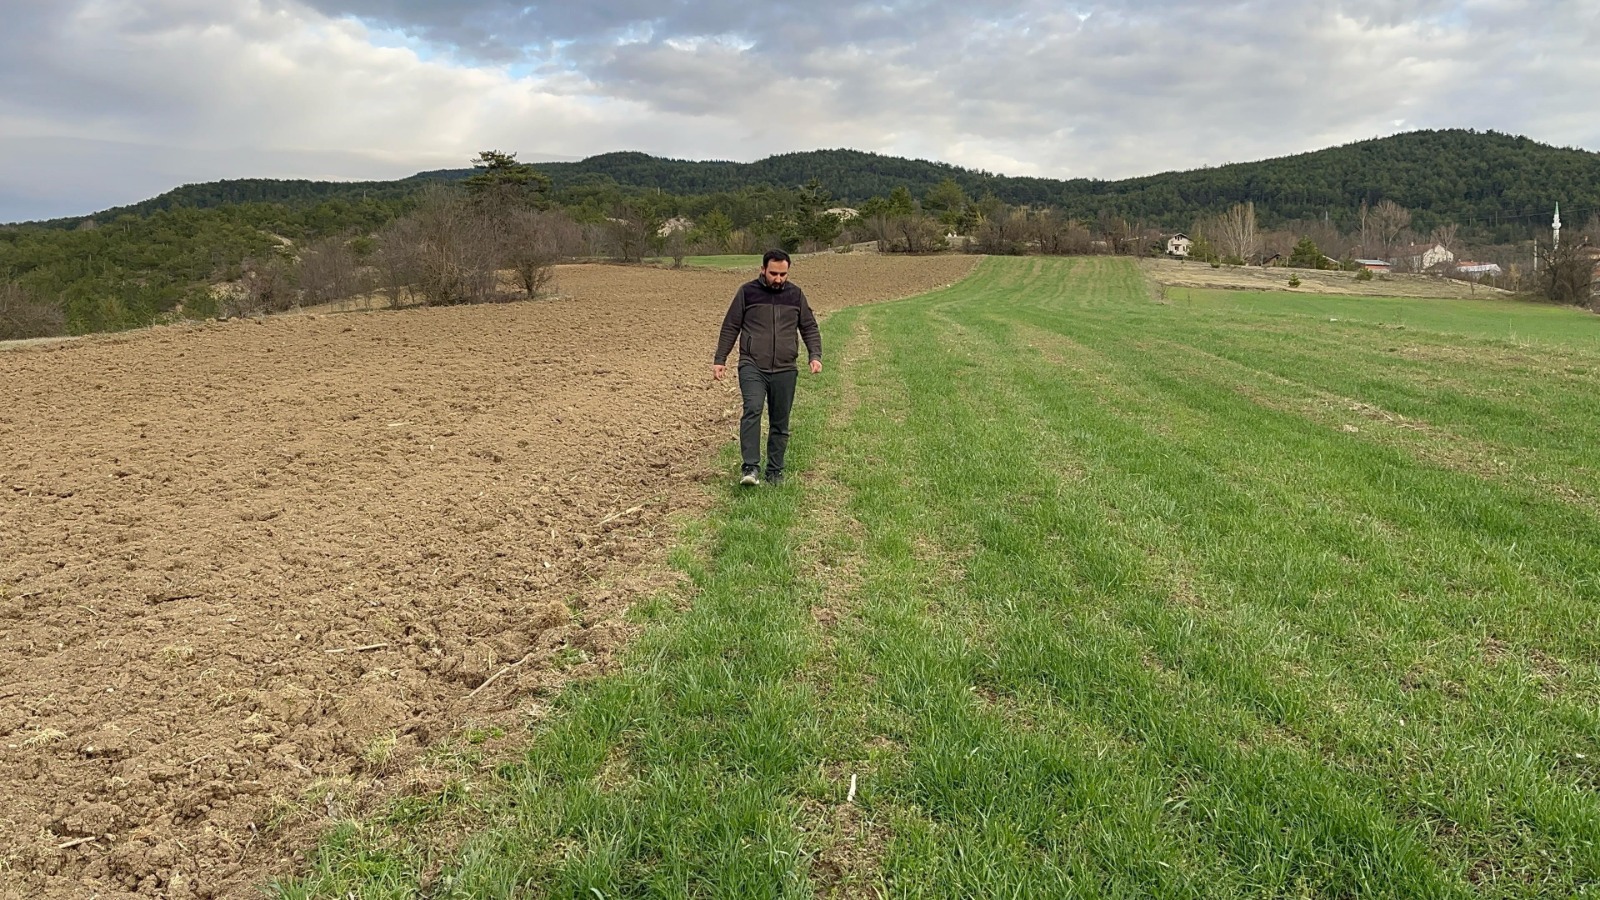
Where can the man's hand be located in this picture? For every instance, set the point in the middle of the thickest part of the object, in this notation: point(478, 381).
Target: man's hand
point(717, 372)
point(816, 367)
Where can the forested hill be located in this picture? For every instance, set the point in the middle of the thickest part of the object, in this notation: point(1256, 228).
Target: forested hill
point(852, 176)
point(1488, 182)
point(288, 192)
point(1495, 185)
point(1499, 186)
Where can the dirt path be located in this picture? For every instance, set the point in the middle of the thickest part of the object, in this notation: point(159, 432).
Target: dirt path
point(241, 563)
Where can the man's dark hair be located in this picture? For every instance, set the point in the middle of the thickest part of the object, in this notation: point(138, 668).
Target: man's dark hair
point(772, 256)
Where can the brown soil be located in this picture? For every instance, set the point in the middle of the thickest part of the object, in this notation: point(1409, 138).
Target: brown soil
point(242, 560)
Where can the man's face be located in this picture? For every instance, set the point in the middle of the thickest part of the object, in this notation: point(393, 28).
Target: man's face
point(777, 272)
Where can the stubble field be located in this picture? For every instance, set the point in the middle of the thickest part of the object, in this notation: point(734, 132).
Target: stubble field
point(253, 575)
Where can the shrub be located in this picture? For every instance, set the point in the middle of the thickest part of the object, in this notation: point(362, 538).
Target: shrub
point(535, 240)
point(201, 303)
point(1364, 275)
point(329, 272)
point(24, 316)
point(1294, 281)
point(267, 287)
point(443, 253)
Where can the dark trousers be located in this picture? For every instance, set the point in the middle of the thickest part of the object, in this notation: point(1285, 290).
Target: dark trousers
point(775, 390)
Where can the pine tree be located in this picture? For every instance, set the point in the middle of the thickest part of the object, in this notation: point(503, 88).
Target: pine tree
point(500, 180)
point(1306, 255)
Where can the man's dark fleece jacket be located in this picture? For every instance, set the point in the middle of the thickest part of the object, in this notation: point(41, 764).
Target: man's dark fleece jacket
point(763, 318)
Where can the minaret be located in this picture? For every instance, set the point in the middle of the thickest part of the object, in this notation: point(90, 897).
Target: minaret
point(1555, 226)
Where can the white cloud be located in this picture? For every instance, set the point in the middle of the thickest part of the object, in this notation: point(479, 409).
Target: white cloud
point(132, 99)
point(111, 101)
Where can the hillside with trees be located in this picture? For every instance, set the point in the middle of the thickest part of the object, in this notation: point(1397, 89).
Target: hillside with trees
point(256, 245)
point(1497, 187)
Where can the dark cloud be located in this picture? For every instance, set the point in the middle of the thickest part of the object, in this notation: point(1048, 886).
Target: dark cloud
point(151, 93)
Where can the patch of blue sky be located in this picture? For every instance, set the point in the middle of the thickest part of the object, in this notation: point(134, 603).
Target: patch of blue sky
point(544, 58)
point(399, 39)
point(522, 70)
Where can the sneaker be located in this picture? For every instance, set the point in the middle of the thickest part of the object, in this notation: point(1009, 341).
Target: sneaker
point(749, 479)
point(774, 479)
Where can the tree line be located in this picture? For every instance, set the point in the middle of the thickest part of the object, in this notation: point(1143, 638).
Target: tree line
point(1496, 188)
point(444, 238)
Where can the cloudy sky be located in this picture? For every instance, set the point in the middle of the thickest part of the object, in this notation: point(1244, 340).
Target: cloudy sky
point(104, 102)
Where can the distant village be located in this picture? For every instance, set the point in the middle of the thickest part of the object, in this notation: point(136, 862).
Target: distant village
point(1424, 258)
point(1433, 257)
point(1430, 259)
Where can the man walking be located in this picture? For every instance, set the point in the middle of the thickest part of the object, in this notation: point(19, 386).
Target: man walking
point(763, 318)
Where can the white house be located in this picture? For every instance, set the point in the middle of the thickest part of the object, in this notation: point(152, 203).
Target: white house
point(1426, 256)
point(1179, 245)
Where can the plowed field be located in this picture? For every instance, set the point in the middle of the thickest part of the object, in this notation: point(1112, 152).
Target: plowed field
point(251, 571)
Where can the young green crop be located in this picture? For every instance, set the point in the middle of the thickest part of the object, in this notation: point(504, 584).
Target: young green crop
point(1080, 594)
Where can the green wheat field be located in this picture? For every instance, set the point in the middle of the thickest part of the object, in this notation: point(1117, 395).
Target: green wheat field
point(1083, 589)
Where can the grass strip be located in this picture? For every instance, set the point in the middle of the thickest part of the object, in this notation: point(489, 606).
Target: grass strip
point(1089, 595)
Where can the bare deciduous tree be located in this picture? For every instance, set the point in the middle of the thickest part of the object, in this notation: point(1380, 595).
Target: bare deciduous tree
point(1005, 232)
point(918, 232)
point(1366, 228)
point(1325, 235)
point(1077, 238)
point(1149, 241)
point(1445, 236)
point(1057, 235)
point(452, 247)
point(1566, 273)
point(1116, 235)
point(266, 286)
point(630, 231)
point(1279, 243)
point(1046, 230)
point(676, 245)
point(535, 241)
point(444, 252)
point(1389, 222)
point(1236, 234)
point(328, 272)
point(875, 225)
point(396, 263)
